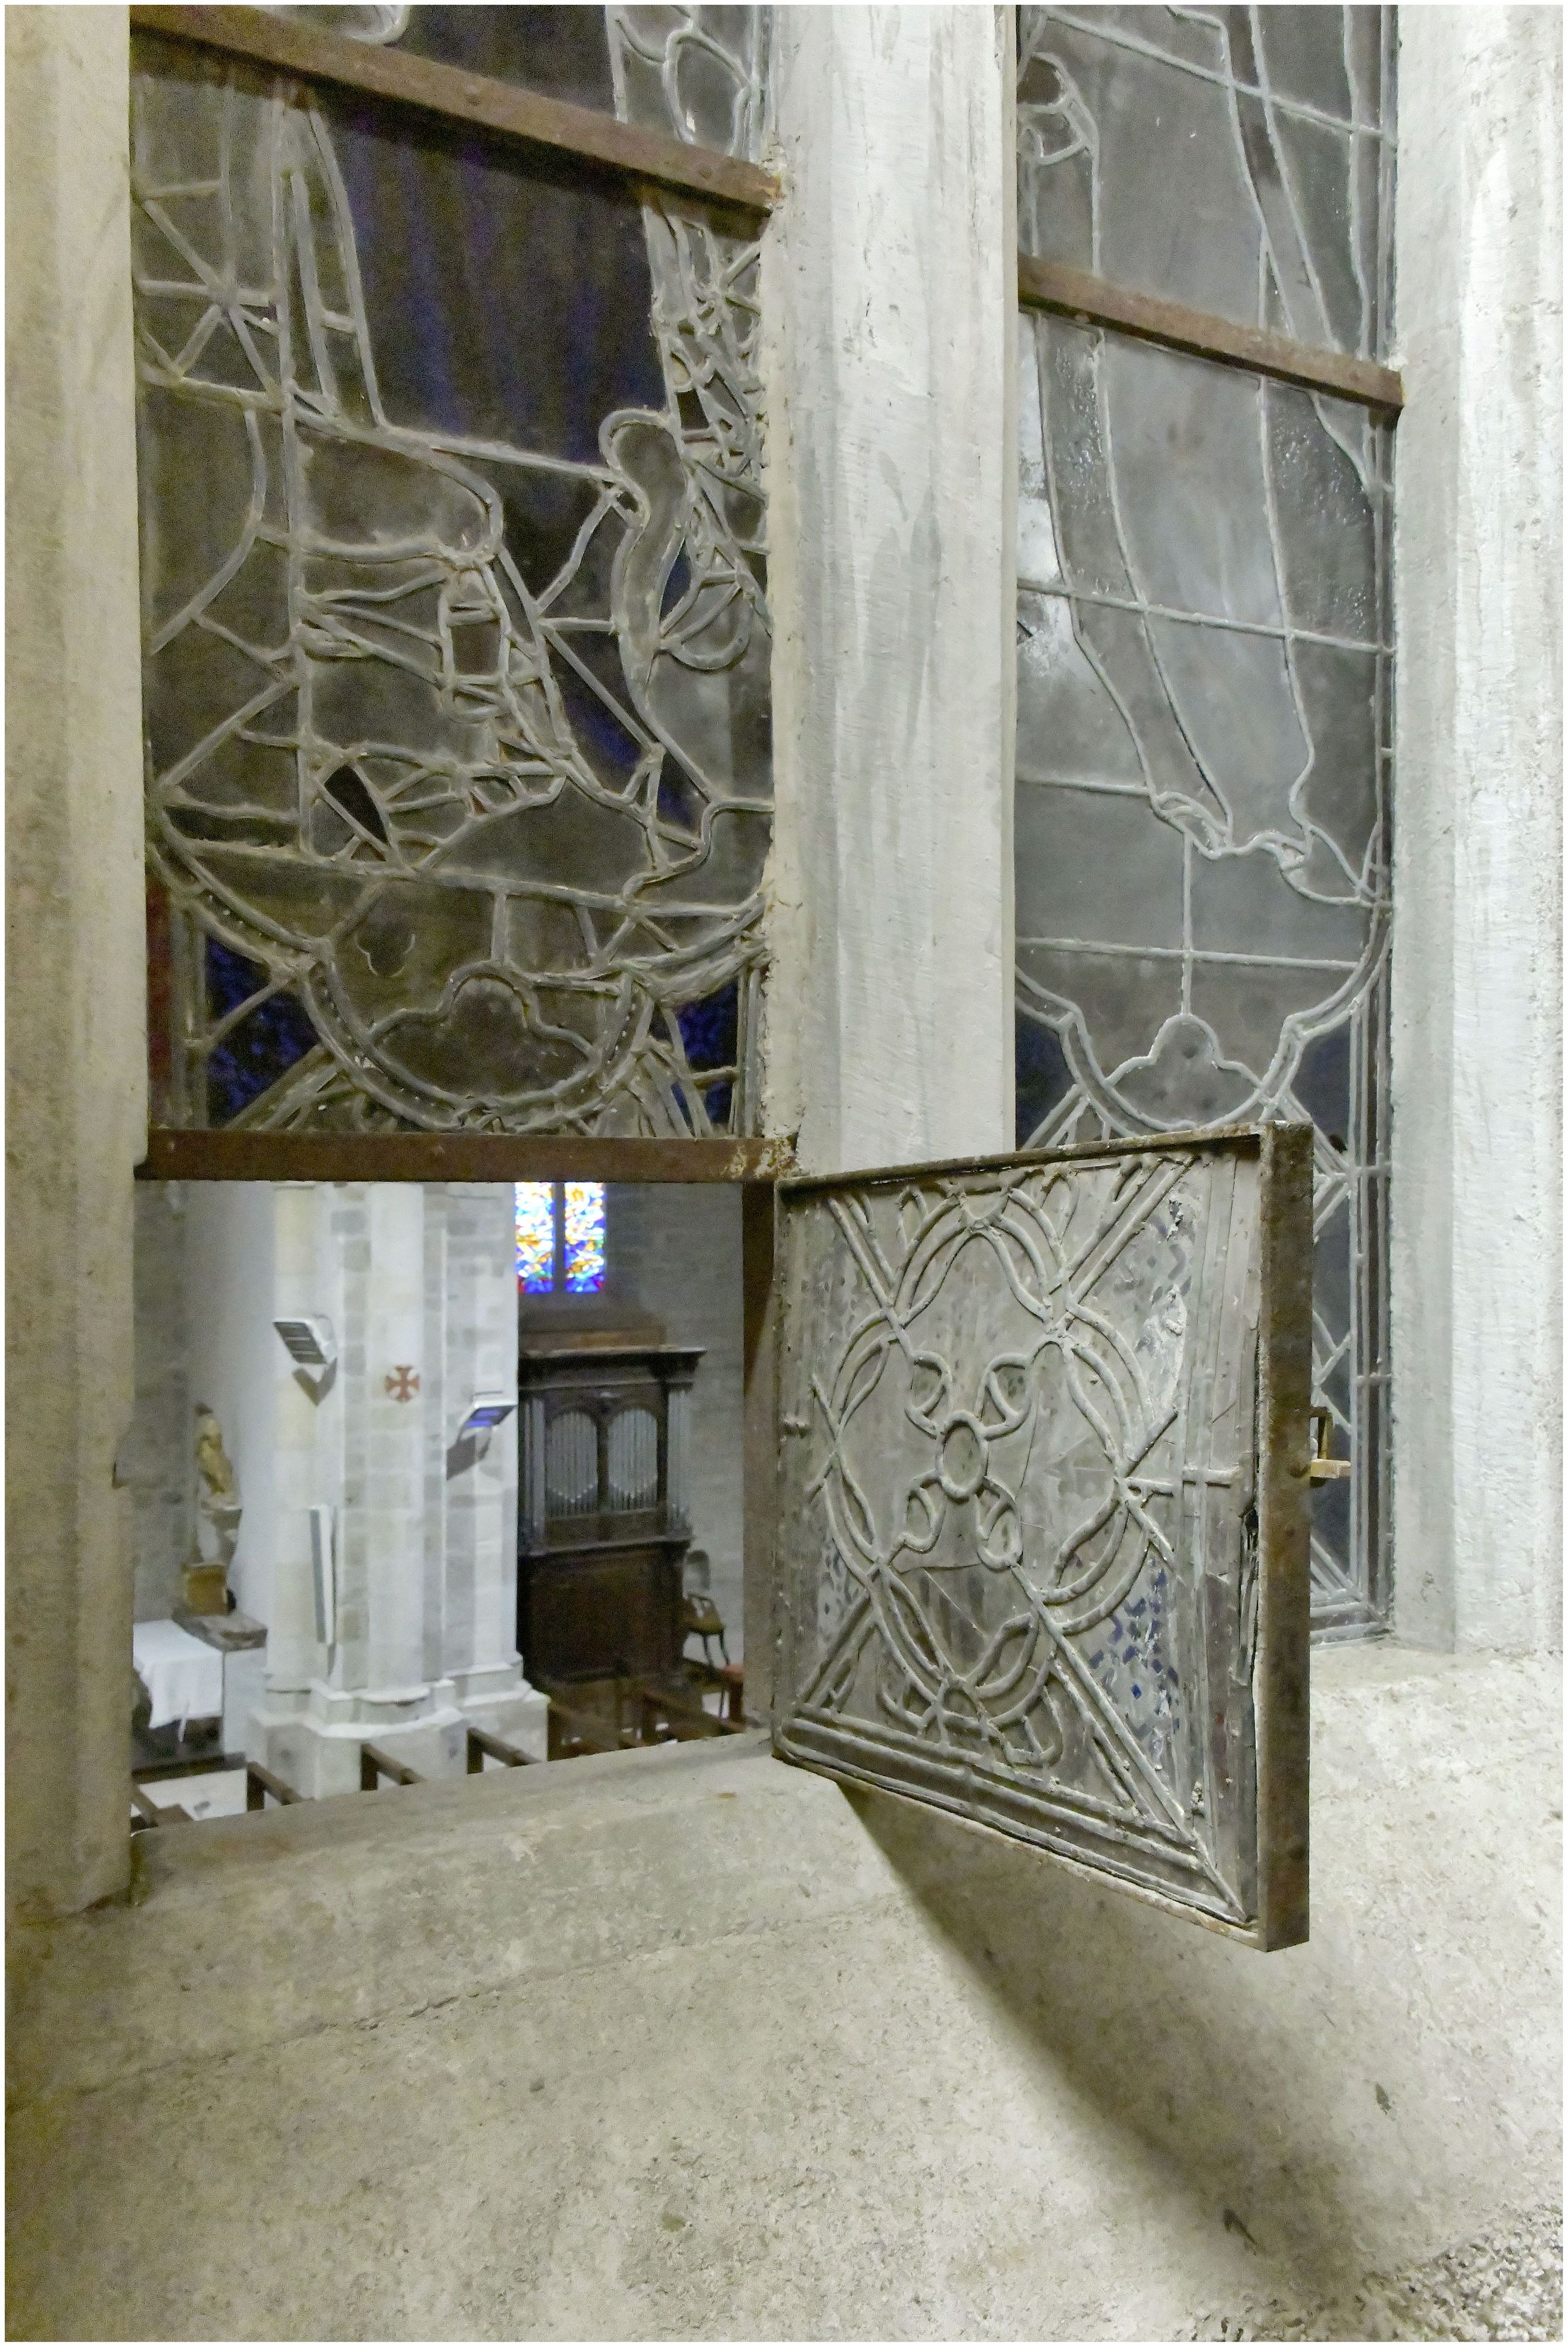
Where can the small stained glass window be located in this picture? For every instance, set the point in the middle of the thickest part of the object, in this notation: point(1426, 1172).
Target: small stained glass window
point(536, 1223)
point(561, 1237)
point(583, 1237)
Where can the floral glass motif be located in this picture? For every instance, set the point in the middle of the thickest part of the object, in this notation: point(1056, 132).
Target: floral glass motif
point(456, 644)
point(561, 1237)
point(1203, 620)
point(536, 1227)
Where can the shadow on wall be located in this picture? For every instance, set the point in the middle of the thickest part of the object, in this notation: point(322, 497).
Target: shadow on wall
point(1241, 2079)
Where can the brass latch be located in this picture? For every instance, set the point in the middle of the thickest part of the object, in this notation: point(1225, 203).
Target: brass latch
point(1321, 1469)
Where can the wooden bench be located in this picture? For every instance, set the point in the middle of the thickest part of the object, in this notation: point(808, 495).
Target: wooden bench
point(482, 1745)
point(260, 1782)
point(373, 1763)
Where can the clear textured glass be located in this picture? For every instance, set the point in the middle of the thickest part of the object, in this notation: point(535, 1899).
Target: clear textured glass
point(456, 640)
point(696, 74)
point(1202, 805)
point(583, 1241)
point(535, 1215)
point(1239, 159)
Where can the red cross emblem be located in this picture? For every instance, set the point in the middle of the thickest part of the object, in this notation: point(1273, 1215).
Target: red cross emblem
point(403, 1382)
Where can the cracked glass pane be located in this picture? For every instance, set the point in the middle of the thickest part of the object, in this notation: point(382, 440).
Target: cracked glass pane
point(1239, 159)
point(457, 642)
point(1202, 831)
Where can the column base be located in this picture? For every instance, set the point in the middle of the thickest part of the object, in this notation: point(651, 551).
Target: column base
point(311, 1736)
point(499, 1698)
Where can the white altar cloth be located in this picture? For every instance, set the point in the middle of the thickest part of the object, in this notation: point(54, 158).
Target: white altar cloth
point(183, 1675)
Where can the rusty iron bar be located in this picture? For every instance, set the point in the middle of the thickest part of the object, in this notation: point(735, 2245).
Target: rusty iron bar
point(1283, 1635)
point(1095, 302)
point(474, 101)
point(227, 1156)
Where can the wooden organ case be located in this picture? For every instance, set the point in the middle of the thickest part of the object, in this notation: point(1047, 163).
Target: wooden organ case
point(603, 1521)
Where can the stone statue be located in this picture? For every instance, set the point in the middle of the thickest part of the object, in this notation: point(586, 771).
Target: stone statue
point(218, 1514)
point(213, 1463)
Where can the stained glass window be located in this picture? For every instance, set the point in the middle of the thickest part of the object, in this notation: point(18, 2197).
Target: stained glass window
point(582, 1236)
point(1203, 734)
point(456, 648)
point(561, 1237)
point(536, 1223)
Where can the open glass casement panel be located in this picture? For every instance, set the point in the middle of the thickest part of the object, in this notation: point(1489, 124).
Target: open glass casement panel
point(1041, 1525)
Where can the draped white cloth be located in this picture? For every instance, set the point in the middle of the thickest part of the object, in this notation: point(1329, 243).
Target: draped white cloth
point(183, 1675)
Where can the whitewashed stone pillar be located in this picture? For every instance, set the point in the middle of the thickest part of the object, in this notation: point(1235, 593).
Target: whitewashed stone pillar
point(355, 1442)
point(304, 1457)
point(1477, 1188)
point(475, 1516)
point(889, 307)
point(388, 1508)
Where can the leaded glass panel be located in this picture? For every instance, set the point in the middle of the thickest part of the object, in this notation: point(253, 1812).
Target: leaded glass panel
point(696, 74)
point(1202, 831)
point(533, 1210)
point(561, 1242)
point(456, 650)
point(1239, 159)
point(583, 1237)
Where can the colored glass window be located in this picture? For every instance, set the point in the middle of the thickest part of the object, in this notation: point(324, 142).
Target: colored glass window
point(536, 1226)
point(583, 1220)
point(561, 1237)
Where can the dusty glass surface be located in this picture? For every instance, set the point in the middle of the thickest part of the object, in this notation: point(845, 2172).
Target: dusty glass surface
point(698, 74)
point(1202, 805)
point(1018, 1484)
point(457, 673)
point(1239, 159)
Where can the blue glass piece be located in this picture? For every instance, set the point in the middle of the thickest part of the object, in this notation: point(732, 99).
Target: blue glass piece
point(1043, 1076)
point(709, 1029)
point(260, 1048)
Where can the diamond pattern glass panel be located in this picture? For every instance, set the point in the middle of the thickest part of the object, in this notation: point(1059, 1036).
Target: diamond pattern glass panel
point(1202, 806)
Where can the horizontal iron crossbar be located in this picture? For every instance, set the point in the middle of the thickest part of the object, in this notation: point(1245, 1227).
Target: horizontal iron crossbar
point(174, 1156)
point(1070, 293)
point(474, 100)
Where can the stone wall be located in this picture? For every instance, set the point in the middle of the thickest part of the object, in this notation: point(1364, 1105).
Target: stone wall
point(691, 2045)
point(1476, 1193)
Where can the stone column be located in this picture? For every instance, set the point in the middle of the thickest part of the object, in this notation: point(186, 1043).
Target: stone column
point(889, 360)
point(355, 1443)
point(1477, 1189)
point(477, 1494)
point(889, 310)
point(305, 1452)
point(76, 1044)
